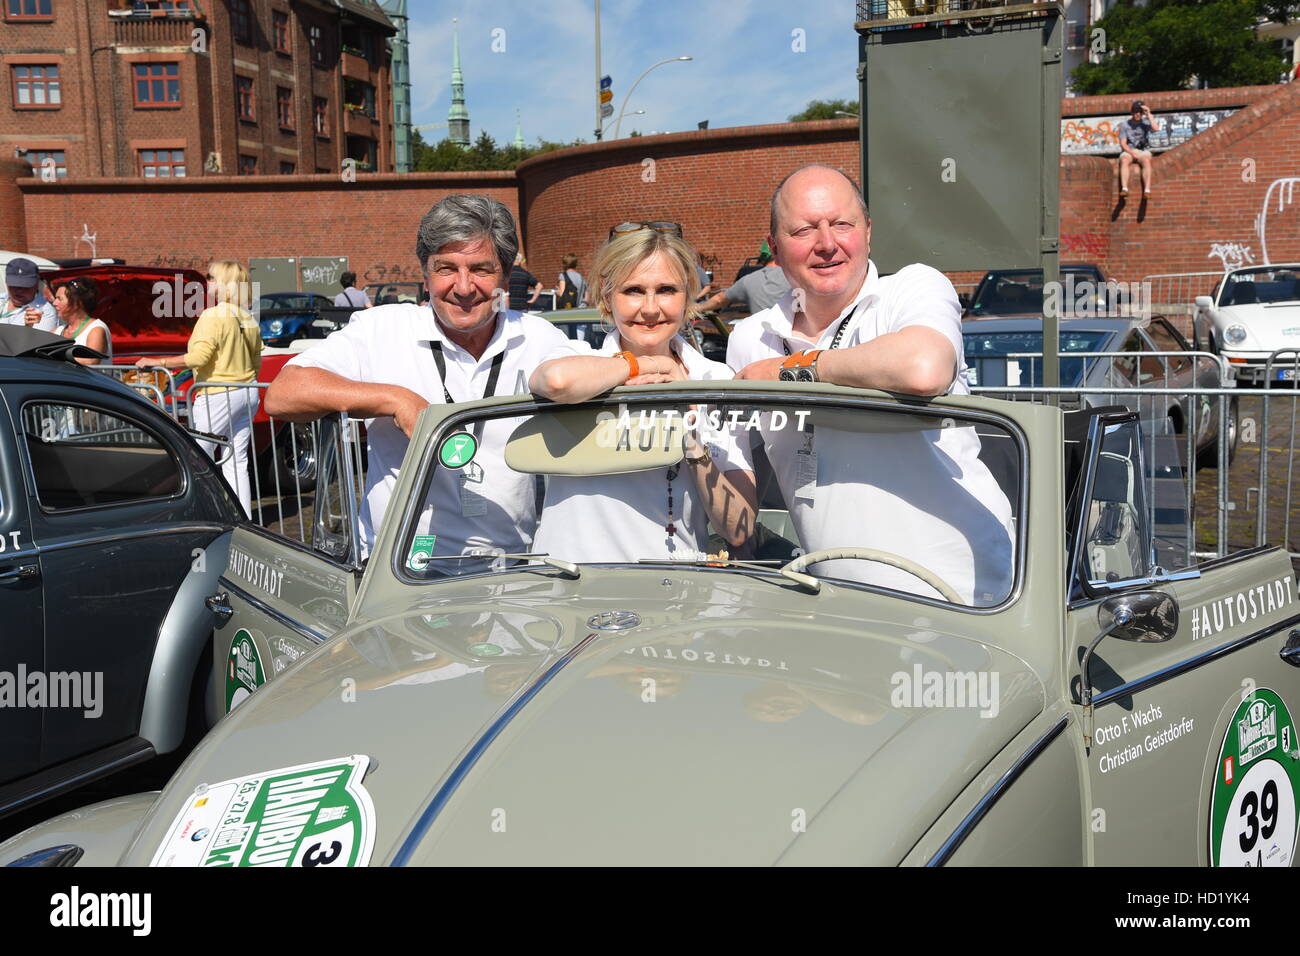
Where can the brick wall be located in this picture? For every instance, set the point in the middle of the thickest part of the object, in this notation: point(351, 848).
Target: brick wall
point(188, 222)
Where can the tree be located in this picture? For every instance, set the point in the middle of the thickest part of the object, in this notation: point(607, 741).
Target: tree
point(1162, 44)
point(484, 154)
point(825, 109)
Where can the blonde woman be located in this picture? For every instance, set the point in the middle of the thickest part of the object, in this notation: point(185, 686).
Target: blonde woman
point(226, 346)
point(74, 300)
point(644, 281)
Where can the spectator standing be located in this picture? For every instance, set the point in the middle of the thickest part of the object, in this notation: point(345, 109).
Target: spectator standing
point(351, 295)
point(22, 302)
point(571, 289)
point(1135, 146)
point(226, 346)
point(757, 291)
point(522, 282)
point(74, 300)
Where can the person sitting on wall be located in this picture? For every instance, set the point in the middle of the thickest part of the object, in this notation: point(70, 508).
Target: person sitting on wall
point(1135, 146)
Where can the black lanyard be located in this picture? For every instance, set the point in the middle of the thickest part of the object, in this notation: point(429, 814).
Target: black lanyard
point(490, 390)
point(835, 342)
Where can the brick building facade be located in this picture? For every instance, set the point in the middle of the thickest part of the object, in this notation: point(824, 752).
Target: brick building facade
point(170, 88)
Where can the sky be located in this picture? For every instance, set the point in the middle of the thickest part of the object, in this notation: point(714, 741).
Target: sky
point(538, 57)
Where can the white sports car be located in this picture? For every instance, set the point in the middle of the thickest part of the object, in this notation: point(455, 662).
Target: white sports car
point(1254, 312)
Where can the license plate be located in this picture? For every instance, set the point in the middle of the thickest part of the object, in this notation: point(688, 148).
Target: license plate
point(1286, 375)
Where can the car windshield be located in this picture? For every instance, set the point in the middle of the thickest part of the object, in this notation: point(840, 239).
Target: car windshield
point(1254, 286)
point(987, 362)
point(286, 300)
point(1021, 291)
point(926, 503)
point(393, 292)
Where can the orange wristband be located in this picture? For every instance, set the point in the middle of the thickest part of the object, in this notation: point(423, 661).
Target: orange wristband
point(633, 369)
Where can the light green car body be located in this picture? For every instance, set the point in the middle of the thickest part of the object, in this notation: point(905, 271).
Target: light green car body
point(744, 721)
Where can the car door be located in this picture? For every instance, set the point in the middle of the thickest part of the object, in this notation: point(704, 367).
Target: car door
point(22, 639)
point(1191, 756)
point(283, 596)
point(118, 518)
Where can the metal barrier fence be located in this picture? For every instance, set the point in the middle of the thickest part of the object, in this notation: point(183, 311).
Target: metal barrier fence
point(1174, 293)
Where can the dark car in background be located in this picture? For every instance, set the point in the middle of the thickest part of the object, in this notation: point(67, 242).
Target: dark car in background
point(114, 528)
point(285, 317)
point(387, 293)
point(708, 334)
point(1020, 292)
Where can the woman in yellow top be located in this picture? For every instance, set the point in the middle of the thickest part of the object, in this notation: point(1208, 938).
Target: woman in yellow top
point(225, 346)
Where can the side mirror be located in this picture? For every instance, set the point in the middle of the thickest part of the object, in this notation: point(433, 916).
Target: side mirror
point(1148, 617)
point(1204, 302)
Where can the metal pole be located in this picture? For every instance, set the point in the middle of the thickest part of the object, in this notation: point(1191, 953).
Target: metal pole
point(619, 122)
point(599, 123)
point(1049, 256)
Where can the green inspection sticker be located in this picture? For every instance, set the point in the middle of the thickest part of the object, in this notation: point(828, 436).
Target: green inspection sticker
point(486, 650)
point(244, 672)
point(421, 551)
point(1253, 810)
point(458, 450)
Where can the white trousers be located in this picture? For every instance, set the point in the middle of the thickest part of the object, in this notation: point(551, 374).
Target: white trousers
point(229, 412)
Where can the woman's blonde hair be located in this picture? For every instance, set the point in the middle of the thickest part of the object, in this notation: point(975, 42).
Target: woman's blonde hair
point(616, 259)
point(230, 280)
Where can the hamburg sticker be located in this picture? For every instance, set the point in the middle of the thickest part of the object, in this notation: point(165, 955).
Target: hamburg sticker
point(315, 814)
point(244, 672)
point(458, 450)
point(1253, 811)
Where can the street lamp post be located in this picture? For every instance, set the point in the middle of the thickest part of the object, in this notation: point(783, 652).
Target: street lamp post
point(618, 123)
point(633, 113)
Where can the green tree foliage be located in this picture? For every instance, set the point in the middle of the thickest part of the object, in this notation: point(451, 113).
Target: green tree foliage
point(1162, 44)
point(484, 154)
point(825, 109)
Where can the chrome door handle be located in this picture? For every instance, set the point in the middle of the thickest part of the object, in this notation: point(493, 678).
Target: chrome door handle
point(1291, 649)
point(219, 604)
point(21, 573)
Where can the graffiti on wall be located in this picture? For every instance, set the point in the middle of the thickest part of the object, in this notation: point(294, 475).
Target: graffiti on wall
point(1099, 135)
point(1233, 255)
point(1083, 243)
point(1279, 199)
point(88, 238)
point(393, 273)
point(178, 262)
point(322, 274)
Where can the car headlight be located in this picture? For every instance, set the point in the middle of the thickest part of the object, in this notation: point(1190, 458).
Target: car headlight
point(275, 326)
point(1234, 334)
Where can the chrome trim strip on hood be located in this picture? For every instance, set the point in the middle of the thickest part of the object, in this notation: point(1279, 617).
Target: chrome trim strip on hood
point(410, 843)
point(950, 845)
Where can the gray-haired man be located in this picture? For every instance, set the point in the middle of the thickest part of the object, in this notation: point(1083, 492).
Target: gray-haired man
point(393, 360)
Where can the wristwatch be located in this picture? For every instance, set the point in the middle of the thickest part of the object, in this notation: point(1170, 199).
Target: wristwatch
point(801, 367)
point(704, 459)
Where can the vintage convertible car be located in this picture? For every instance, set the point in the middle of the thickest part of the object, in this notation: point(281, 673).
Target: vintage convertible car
point(1253, 313)
point(1022, 684)
point(114, 529)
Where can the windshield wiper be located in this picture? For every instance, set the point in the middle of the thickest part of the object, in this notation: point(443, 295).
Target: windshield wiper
point(567, 568)
point(806, 581)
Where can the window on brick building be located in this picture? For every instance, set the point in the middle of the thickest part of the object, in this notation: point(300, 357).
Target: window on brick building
point(162, 163)
point(36, 87)
point(29, 9)
point(39, 157)
point(244, 98)
point(241, 21)
point(280, 31)
point(317, 45)
point(177, 8)
point(284, 107)
point(247, 165)
point(287, 169)
point(156, 84)
point(356, 40)
point(320, 115)
point(359, 97)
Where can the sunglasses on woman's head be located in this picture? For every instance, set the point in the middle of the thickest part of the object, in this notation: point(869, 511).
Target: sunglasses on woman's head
point(657, 226)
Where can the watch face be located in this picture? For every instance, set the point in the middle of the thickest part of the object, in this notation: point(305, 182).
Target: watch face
point(805, 375)
point(788, 375)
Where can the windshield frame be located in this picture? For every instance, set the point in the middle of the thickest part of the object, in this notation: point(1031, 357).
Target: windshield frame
point(832, 397)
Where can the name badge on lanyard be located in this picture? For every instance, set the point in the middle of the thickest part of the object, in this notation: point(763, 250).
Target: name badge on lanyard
point(805, 482)
point(473, 502)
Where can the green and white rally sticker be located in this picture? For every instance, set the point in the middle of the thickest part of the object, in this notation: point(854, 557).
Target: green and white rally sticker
point(458, 450)
point(244, 672)
point(314, 814)
point(421, 551)
point(1253, 810)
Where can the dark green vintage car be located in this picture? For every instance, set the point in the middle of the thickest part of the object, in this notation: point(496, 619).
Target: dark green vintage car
point(901, 663)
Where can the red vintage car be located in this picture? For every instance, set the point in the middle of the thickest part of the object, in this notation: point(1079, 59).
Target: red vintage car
point(145, 308)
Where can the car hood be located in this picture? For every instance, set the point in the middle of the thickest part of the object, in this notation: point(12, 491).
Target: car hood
point(1268, 325)
point(141, 321)
point(713, 732)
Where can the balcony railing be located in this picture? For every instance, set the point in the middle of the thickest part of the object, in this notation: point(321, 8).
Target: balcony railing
point(153, 31)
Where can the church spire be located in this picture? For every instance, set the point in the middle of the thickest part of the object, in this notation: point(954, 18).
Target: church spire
point(458, 115)
point(519, 132)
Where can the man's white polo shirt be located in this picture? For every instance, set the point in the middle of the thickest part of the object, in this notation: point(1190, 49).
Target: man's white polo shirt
point(393, 345)
point(922, 495)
